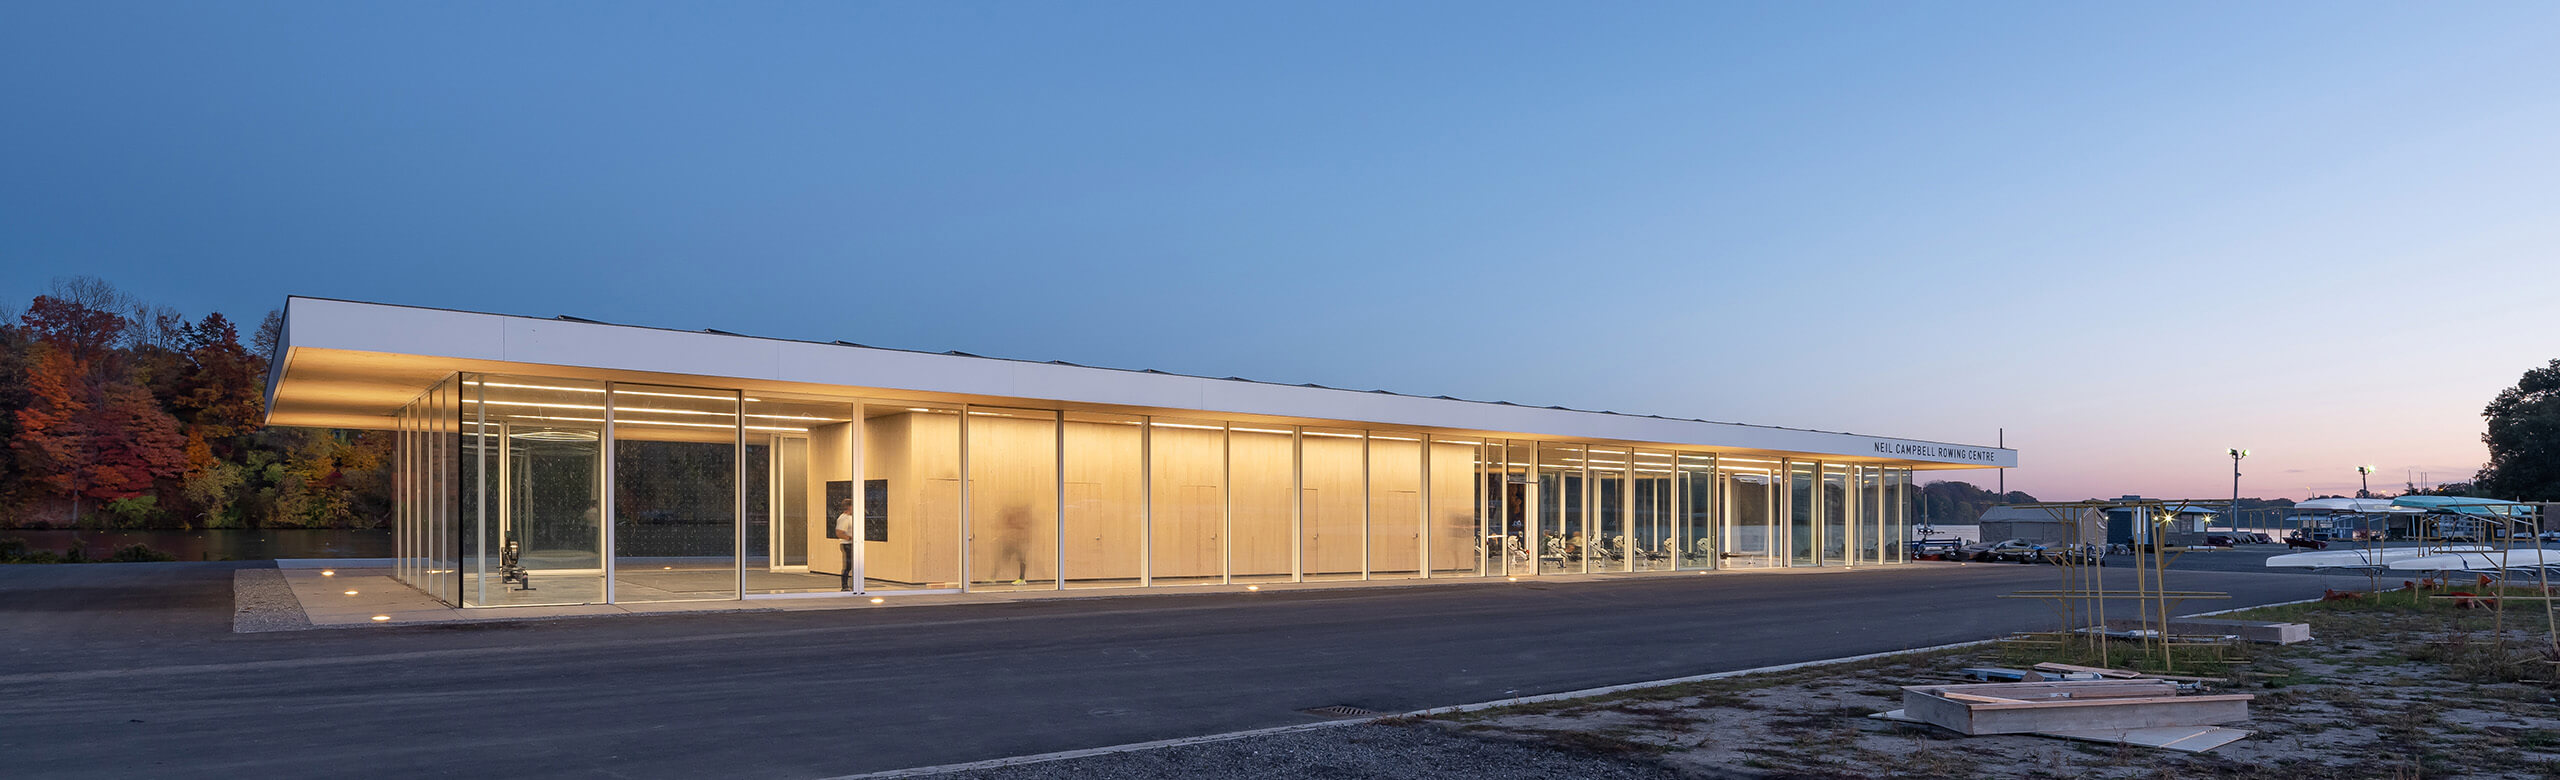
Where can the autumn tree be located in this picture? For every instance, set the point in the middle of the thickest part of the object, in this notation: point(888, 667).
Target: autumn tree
point(2524, 438)
point(53, 428)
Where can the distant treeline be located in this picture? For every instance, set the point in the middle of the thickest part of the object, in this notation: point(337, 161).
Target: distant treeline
point(117, 413)
point(1961, 503)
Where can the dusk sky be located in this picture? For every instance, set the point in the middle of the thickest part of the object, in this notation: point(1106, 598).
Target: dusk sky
point(2134, 235)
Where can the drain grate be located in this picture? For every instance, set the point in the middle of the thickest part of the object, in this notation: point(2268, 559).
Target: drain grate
point(1339, 711)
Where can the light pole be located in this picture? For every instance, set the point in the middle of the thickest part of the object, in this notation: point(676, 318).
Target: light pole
point(2236, 455)
point(2364, 480)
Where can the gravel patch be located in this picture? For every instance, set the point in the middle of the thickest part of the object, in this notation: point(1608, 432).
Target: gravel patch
point(261, 601)
point(1426, 751)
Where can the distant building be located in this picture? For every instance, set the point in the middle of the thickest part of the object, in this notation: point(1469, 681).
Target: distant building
point(2047, 525)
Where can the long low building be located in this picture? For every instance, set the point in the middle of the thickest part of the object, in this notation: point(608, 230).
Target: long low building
point(546, 461)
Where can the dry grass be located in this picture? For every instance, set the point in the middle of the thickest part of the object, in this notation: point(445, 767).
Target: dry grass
point(2396, 686)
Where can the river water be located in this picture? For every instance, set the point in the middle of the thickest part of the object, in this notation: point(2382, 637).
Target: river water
point(218, 544)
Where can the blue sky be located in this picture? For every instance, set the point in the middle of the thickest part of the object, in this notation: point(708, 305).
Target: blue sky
point(2133, 235)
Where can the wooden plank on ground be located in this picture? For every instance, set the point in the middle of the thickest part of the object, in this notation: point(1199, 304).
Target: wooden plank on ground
point(2096, 670)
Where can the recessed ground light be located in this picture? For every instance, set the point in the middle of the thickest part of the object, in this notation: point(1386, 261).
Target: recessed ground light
point(1252, 587)
point(328, 572)
point(668, 568)
point(351, 593)
point(878, 600)
point(380, 618)
point(1515, 579)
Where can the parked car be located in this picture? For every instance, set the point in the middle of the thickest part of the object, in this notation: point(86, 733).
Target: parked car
point(2003, 550)
point(2071, 554)
point(2258, 537)
point(2217, 540)
point(1926, 547)
point(2305, 542)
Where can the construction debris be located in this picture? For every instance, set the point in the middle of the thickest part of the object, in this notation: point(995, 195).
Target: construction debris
point(2131, 711)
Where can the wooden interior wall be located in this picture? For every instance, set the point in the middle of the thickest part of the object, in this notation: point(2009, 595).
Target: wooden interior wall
point(830, 456)
point(1190, 503)
point(1453, 511)
point(1105, 494)
point(1395, 507)
point(1013, 499)
point(1332, 530)
point(1263, 470)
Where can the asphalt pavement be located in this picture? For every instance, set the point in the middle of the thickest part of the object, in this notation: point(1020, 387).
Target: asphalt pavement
point(120, 670)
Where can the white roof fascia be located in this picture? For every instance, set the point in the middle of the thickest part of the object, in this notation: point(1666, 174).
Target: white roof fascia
point(318, 323)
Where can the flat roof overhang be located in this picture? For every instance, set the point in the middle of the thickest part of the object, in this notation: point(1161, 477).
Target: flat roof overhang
point(344, 364)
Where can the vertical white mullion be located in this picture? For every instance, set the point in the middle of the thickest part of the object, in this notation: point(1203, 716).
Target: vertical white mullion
point(1531, 502)
point(1227, 503)
point(1425, 515)
point(604, 487)
point(857, 554)
point(1366, 499)
point(506, 479)
point(1591, 507)
point(1297, 503)
point(1146, 501)
point(480, 497)
point(738, 490)
point(968, 528)
point(1058, 470)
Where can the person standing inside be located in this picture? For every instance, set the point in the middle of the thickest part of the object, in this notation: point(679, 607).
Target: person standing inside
point(844, 533)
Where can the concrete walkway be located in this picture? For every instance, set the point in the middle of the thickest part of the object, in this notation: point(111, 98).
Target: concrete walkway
point(352, 593)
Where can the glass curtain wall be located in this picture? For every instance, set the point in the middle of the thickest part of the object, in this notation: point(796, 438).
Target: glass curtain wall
point(1870, 516)
point(799, 480)
point(1106, 482)
point(1012, 499)
point(1333, 512)
point(1799, 506)
point(1457, 535)
point(505, 495)
point(1694, 483)
point(538, 516)
point(1188, 522)
point(676, 497)
point(427, 492)
point(1395, 506)
point(1262, 477)
point(1509, 508)
point(1653, 538)
point(911, 468)
point(1837, 504)
point(1754, 535)
point(1560, 509)
point(1897, 485)
point(1607, 547)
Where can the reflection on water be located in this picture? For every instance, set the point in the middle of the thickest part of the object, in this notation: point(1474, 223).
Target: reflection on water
point(218, 545)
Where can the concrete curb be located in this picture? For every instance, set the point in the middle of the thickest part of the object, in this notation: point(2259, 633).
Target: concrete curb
point(1043, 758)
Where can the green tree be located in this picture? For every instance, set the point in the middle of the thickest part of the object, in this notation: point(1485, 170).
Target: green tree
point(2524, 439)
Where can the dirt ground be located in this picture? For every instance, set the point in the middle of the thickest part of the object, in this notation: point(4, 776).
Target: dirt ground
point(2394, 689)
point(2397, 686)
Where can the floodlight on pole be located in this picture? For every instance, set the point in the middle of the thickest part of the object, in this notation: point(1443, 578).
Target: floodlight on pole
point(2236, 455)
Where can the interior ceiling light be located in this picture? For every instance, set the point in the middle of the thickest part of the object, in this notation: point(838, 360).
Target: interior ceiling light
point(555, 435)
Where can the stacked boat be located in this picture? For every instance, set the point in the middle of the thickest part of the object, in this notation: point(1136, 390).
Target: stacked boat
point(2494, 516)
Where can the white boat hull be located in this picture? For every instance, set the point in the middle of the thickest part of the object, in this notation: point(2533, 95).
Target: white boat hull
point(2359, 559)
point(2480, 561)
